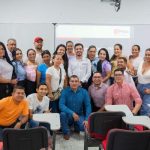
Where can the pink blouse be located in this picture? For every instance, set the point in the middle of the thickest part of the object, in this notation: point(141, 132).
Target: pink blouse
point(31, 72)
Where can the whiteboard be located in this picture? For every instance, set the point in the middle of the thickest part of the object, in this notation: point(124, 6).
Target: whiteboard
point(139, 34)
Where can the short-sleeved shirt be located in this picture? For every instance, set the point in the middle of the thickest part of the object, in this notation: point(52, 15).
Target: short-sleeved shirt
point(19, 70)
point(55, 77)
point(6, 69)
point(31, 72)
point(38, 106)
point(42, 69)
point(10, 111)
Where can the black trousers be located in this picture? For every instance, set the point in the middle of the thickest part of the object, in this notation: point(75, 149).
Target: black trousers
point(5, 90)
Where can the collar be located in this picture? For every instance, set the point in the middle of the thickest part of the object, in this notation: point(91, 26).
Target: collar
point(100, 86)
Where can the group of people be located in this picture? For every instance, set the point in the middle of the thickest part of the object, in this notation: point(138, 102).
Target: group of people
point(69, 83)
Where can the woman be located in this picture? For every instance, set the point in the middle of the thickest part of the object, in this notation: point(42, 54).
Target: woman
point(114, 58)
point(55, 76)
point(70, 50)
point(135, 60)
point(103, 65)
point(7, 74)
point(41, 70)
point(143, 87)
point(61, 49)
point(30, 68)
point(19, 67)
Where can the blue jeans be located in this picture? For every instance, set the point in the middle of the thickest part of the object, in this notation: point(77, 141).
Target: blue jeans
point(67, 120)
point(54, 106)
point(145, 109)
point(34, 124)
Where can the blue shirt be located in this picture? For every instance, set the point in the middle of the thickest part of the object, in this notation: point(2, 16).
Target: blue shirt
point(19, 70)
point(42, 69)
point(75, 102)
point(94, 64)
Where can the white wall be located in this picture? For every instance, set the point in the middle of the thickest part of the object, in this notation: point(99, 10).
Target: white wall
point(26, 19)
point(74, 11)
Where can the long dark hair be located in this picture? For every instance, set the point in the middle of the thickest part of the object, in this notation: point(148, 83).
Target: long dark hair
point(99, 64)
point(113, 56)
point(14, 53)
point(8, 59)
point(64, 57)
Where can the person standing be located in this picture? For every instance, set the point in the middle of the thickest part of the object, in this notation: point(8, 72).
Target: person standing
point(19, 67)
point(55, 76)
point(41, 69)
point(11, 46)
point(38, 45)
point(80, 66)
point(31, 67)
point(143, 86)
point(7, 73)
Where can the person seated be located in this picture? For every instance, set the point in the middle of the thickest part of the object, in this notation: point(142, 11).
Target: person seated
point(122, 64)
point(39, 103)
point(123, 93)
point(75, 107)
point(13, 110)
point(97, 91)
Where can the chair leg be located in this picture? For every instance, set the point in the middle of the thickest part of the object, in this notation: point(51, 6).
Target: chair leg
point(85, 142)
point(54, 140)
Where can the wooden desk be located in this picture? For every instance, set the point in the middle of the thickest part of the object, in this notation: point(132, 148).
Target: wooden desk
point(137, 120)
point(121, 108)
point(53, 119)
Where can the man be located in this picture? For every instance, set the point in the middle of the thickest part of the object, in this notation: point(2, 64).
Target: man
point(97, 92)
point(74, 101)
point(80, 66)
point(38, 103)
point(91, 55)
point(38, 44)
point(12, 108)
point(123, 93)
point(122, 64)
point(11, 46)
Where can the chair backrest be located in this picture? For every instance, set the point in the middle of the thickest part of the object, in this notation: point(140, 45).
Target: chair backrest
point(21, 139)
point(119, 139)
point(101, 122)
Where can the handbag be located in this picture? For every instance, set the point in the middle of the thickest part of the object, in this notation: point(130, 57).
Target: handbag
point(57, 93)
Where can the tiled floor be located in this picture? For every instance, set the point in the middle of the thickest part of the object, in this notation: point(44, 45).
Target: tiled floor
point(76, 142)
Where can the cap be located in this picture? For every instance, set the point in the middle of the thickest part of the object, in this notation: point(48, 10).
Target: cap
point(37, 39)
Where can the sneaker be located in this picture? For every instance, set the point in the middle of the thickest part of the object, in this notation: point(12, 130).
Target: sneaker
point(66, 137)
